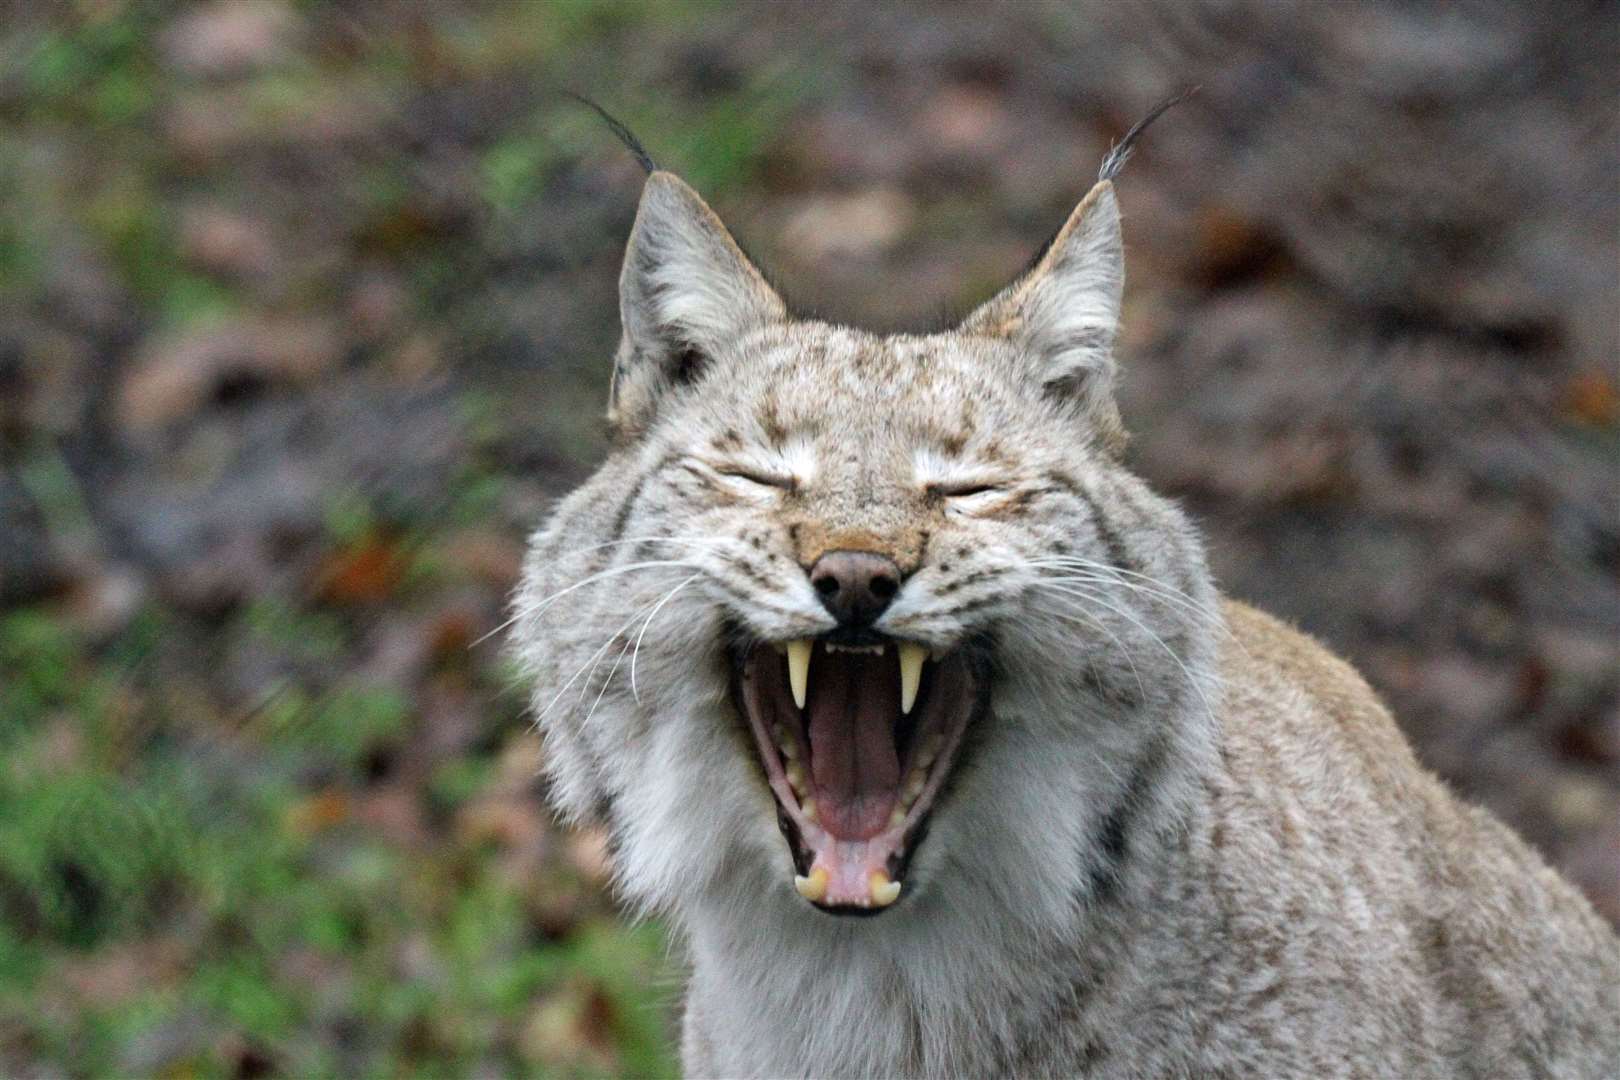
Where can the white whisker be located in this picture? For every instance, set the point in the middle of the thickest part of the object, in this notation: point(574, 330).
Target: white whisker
point(537, 606)
point(612, 671)
point(1092, 597)
point(690, 540)
point(1073, 615)
point(1145, 582)
point(1111, 575)
point(637, 654)
point(590, 661)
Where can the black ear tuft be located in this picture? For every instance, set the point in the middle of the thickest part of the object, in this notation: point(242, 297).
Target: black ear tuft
point(617, 126)
point(1121, 152)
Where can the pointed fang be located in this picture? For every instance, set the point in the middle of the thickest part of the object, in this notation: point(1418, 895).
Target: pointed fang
point(884, 891)
point(912, 656)
point(798, 653)
point(814, 887)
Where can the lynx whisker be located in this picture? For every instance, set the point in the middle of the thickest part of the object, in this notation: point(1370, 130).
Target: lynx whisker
point(612, 671)
point(590, 660)
point(1092, 597)
point(532, 608)
point(634, 656)
point(1071, 614)
point(689, 540)
point(1145, 582)
point(1151, 586)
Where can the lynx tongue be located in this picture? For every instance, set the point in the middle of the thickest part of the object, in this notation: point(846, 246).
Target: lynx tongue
point(853, 703)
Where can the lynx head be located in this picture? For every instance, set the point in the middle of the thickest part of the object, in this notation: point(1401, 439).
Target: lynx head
point(843, 616)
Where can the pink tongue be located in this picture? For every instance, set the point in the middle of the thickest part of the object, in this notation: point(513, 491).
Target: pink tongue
point(854, 700)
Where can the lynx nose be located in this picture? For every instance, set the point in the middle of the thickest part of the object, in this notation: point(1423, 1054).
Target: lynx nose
point(855, 585)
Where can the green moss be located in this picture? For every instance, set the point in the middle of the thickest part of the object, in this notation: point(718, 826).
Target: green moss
point(241, 991)
point(298, 633)
point(97, 71)
point(36, 669)
point(343, 727)
point(87, 855)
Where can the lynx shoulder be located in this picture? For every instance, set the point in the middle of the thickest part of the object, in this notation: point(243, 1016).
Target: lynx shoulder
point(919, 718)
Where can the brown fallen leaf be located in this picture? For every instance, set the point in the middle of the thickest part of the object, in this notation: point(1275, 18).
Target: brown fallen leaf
point(1591, 397)
point(364, 573)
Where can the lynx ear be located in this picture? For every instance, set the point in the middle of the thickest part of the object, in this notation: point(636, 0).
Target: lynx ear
point(1064, 312)
point(685, 291)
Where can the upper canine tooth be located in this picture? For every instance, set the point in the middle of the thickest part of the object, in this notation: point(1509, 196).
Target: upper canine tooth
point(798, 653)
point(884, 892)
point(912, 656)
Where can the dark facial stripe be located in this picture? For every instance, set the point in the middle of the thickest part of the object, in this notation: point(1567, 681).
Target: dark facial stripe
point(1182, 567)
point(621, 517)
point(969, 605)
point(973, 577)
point(1112, 542)
point(751, 572)
point(754, 601)
point(1112, 844)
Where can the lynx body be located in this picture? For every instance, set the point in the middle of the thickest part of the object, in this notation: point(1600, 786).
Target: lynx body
point(919, 718)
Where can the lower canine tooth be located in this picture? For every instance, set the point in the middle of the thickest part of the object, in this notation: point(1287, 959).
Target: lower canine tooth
point(798, 654)
point(808, 808)
point(897, 819)
point(795, 776)
point(884, 891)
point(814, 887)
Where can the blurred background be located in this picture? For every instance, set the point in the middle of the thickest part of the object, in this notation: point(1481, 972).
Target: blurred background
point(306, 312)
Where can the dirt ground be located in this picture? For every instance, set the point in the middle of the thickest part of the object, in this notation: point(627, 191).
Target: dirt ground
point(306, 313)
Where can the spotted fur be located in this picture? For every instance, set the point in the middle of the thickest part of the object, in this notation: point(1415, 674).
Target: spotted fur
point(1184, 840)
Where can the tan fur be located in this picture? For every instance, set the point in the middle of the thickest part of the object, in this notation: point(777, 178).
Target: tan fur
point(1184, 841)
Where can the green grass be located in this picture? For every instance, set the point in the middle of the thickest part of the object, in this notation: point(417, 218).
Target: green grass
point(289, 927)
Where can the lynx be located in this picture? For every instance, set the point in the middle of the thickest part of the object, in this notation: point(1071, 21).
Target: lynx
point(919, 718)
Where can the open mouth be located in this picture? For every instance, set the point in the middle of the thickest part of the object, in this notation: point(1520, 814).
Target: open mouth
point(857, 739)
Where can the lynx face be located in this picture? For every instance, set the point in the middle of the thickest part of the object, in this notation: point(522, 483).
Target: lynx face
point(807, 624)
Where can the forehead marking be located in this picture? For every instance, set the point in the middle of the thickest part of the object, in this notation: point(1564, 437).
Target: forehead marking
point(770, 419)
